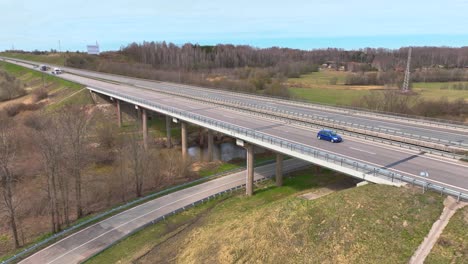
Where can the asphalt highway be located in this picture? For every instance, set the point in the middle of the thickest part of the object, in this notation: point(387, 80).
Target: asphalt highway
point(276, 105)
point(89, 241)
point(446, 172)
point(455, 136)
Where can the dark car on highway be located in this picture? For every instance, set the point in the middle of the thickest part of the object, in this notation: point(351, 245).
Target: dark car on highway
point(329, 135)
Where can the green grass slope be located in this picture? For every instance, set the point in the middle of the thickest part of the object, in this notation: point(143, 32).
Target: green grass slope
point(452, 246)
point(369, 224)
point(61, 92)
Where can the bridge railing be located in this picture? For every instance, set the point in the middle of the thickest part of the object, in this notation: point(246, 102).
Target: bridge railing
point(235, 130)
point(324, 121)
point(296, 101)
point(349, 109)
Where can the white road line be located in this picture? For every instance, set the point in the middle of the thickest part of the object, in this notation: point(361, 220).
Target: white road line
point(368, 162)
point(152, 211)
point(429, 179)
point(184, 198)
point(363, 150)
point(229, 116)
point(361, 141)
point(392, 128)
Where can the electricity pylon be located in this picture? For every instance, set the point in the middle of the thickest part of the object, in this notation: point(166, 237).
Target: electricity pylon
point(405, 87)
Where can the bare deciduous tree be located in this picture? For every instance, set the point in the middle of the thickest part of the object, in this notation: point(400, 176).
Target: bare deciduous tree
point(8, 148)
point(74, 123)
point(49, 139)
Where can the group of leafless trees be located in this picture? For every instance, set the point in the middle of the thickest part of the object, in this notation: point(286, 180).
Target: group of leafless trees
point(50, 163)
point(10, 86)
point(255, 70)
point(193, 57)
point(8, 149)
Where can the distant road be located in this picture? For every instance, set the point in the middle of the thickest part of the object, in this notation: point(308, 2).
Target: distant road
point(361, 118)
point(87, 242)
point(444, 172)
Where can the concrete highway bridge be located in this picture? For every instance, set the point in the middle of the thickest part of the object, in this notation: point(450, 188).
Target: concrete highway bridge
point(377, 147)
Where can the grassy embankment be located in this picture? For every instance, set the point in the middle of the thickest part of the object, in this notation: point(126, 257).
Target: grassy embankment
point(316, 87)
point(452, 246)
point(61, 92)
point(359, 225)
point(52, 58)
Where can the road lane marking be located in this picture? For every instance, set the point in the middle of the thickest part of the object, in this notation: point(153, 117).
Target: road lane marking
point(363, 150)
point(391, 128)
point(379, 165)
point(152, 211)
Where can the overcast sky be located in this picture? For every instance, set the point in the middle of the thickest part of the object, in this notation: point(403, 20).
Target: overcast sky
point(303, 24)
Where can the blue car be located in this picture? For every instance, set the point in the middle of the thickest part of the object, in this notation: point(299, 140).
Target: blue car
point(329, 135)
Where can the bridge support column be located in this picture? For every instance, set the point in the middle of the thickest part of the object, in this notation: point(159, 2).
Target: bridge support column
point(119, 113)
point(184, 140)
point(144, 119)
point(250, 169)
point(279, 169)
point(210, 145)
point(168, 131)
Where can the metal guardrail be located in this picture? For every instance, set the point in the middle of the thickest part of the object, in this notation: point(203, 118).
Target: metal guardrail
point(306, 119)
point(349, 163)
point(179, 210)
point(295, 147)
point(128, 205)
point(356, 110)
point(353, 134)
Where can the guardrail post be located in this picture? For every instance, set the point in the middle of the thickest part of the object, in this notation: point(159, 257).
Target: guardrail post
point(279, 169)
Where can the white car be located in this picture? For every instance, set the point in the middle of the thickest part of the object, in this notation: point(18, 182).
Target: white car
point(56, 71)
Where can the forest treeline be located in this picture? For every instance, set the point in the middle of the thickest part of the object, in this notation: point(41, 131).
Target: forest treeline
point(265, 70)
point(192, 57)
point(249, 69)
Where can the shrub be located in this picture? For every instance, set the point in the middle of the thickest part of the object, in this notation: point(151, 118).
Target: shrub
point(39, 94)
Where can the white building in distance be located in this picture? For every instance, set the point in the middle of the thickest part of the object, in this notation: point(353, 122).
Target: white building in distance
point(93, 49)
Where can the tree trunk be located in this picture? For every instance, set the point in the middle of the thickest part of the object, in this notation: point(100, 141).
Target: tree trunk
point(79, 208)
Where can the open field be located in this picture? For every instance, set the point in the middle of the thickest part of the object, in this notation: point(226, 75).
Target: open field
point(60, 92)
point(316, 87)
point(359, 225)
point(52, 58)
point(452, 246)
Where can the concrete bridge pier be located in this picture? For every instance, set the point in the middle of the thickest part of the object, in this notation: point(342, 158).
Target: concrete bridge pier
point(279, 169)
point(144, 119)
point(210, 145)
point(168, 131)
point(119, 113)
point(183, 134)
point(250, 170)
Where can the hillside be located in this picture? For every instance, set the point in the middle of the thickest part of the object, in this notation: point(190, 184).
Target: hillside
point(370, 224)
